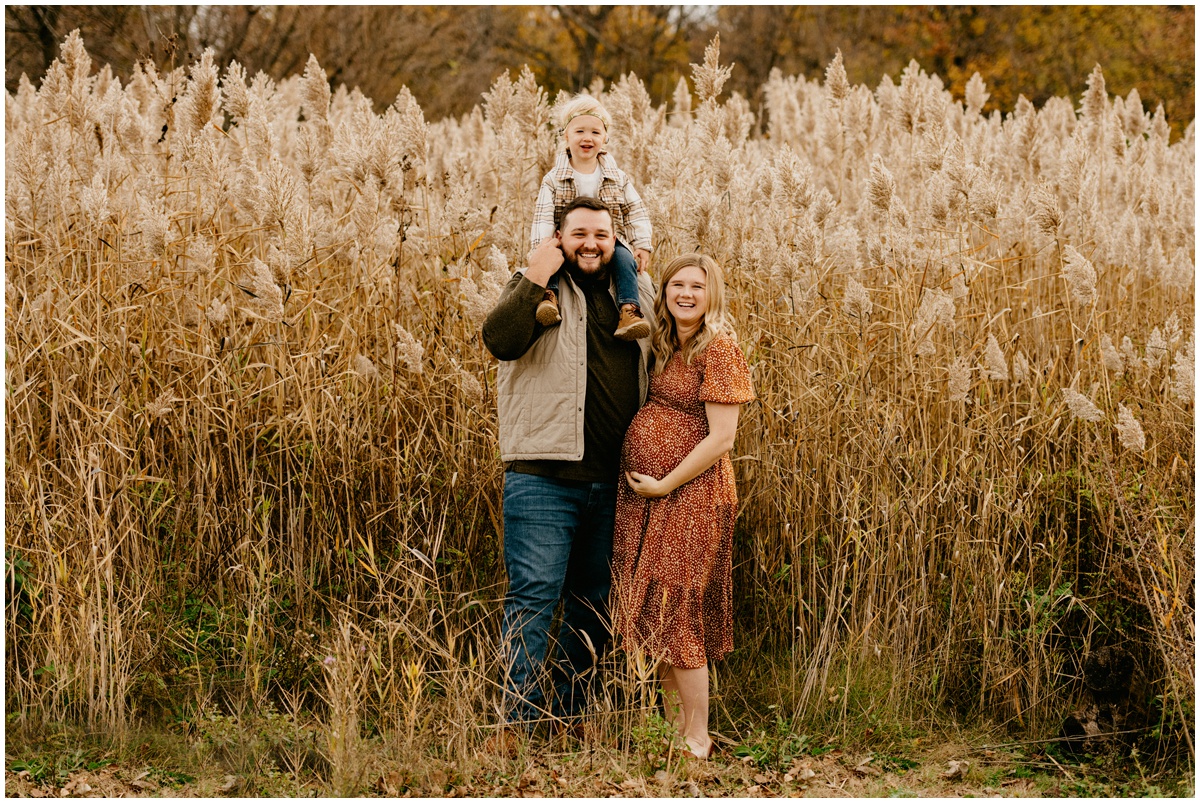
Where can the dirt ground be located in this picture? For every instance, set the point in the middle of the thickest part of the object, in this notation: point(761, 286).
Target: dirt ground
point(943, 770)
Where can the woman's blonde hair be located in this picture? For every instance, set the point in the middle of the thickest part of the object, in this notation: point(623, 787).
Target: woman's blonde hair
point(665, 340)
point(581, 105)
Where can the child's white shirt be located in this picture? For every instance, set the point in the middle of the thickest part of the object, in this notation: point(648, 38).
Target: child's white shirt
point(587, 185)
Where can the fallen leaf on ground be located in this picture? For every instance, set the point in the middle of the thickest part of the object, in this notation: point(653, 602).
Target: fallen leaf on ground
point(389, 784)
point(76, 786)
point(956, 769)
point(865, 768)
point(799, 771)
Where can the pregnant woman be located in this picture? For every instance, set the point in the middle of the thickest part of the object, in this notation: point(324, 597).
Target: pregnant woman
point(673, 542)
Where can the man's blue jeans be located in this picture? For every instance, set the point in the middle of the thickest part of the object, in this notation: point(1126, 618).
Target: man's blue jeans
point(557, 545)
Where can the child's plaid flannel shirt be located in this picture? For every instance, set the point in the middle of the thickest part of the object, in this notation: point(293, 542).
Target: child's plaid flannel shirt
point(630, 217)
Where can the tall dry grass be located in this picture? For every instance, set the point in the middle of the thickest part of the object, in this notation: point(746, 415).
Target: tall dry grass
point(250, 439)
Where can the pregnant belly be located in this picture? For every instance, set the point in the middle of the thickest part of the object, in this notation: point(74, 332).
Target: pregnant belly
point(660, 437)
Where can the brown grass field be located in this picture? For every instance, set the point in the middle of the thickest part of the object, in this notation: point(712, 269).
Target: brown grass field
point(252, 484)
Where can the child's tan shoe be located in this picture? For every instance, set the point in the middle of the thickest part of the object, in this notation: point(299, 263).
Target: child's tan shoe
point(547, 310)
point(632, 325)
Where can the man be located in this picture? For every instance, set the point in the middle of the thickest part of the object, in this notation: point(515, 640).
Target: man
point(566, 394)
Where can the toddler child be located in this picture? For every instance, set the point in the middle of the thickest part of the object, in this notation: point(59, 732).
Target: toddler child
point(585, 169)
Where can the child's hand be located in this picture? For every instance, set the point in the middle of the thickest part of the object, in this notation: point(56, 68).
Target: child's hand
point(545, 261)
point(643, 259)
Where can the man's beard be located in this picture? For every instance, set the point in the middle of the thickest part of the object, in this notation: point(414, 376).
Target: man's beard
point(579, 274)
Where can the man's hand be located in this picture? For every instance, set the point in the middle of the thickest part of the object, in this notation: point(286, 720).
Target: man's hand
point(645, 485)
point(545, 260)
point(643, 259)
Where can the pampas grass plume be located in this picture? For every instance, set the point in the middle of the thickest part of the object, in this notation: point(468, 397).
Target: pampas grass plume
point(1111, 356)
point(1129, 431)
point(1183, 381)
point(410, 349)
point(959, 383)
point(857, 301)
point(1081, 406)
point(1080, 276)
point(994, 362)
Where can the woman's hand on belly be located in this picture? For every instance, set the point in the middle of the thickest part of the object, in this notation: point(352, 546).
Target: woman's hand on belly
point(722, 424)
point(645, 485)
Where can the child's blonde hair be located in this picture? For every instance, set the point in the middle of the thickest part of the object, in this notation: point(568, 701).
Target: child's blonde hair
point(581, 105)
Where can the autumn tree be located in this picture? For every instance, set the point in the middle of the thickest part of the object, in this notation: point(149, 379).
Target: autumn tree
point(449, 55)
point(1036, 51)
point(267, 38)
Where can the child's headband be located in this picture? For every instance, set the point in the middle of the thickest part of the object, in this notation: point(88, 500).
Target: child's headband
point(585, 114)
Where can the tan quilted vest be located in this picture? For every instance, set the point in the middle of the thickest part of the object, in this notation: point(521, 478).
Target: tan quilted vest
point(540, 396)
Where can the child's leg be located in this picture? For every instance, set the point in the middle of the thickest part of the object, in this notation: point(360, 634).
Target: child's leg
point(632, 324)
point(552, 283)
point(624, 268)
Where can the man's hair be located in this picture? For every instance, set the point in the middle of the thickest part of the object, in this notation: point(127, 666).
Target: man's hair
point(582, 202)
point(584, 104)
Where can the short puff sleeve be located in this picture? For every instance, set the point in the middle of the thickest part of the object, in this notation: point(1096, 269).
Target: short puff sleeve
point(726, 373)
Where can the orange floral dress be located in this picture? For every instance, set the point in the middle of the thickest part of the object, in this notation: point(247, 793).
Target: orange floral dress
point(673, 556)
